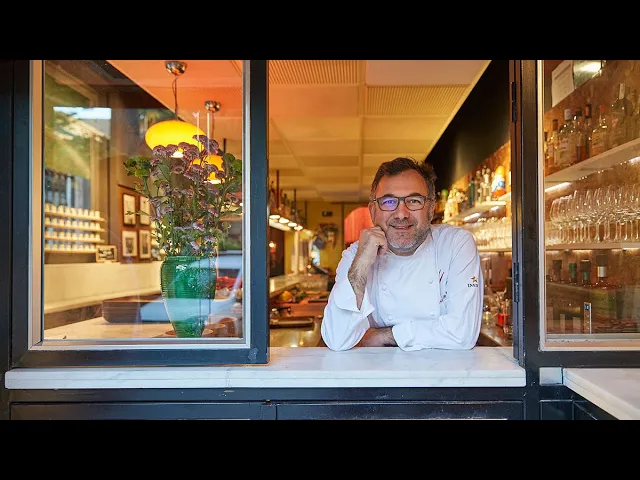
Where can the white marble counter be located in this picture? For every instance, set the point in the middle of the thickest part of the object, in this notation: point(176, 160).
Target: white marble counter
point(309, 367)
point(615, 390)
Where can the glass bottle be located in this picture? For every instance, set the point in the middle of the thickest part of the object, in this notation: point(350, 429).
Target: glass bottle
point(571, 305)
point(553, 146)
point(619, 113)
point(577, 138)
point(588, 129)
point(603, 294)
point(600, 134)
point(585, 270)
point(565, 154)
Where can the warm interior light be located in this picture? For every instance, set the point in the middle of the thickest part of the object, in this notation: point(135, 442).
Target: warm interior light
point(172, 132)
point(283, 220)
point(292, 224)
point(274, 216)
point(299, 227)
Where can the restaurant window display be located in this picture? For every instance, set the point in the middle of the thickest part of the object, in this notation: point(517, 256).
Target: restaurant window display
point(142, 201)
point(589, 147)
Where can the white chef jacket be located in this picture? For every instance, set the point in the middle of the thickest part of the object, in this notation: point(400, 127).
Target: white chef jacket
point(431, 299)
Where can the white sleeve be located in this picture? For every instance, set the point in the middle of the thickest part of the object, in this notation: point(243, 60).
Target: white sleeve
point(459, 328)
point(343, 324)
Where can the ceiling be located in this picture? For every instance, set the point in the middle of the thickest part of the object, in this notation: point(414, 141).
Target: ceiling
point(331, 122)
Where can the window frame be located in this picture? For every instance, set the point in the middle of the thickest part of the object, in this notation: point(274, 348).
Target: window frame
point(527, 108)
point(27, 257)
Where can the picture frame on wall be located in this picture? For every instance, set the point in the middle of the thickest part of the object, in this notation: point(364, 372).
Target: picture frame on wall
point(145, 243)
point(145, 211)
point(128, 205)
point(129, 243)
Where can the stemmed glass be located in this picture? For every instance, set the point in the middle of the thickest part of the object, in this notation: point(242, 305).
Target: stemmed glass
point(577, 212)
point(598, 211)
point(586, 215)
point(609, 208)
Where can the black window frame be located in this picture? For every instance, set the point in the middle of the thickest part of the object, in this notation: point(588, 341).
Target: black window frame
point(16, 144)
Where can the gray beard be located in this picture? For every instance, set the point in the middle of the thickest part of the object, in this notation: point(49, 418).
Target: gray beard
point(418, 239)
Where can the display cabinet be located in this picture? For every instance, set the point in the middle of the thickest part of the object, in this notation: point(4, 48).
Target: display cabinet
point(590, 203)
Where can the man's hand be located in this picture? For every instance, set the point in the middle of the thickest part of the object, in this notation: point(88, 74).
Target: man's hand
point(378, 337)
point(372, 242)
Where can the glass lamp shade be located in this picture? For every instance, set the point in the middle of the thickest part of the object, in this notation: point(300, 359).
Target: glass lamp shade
point(172, 132)
point(215, 160)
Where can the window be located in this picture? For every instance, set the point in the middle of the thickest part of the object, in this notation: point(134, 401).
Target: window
point(143, 245)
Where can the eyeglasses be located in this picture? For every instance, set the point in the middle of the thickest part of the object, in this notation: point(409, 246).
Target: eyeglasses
point(389, 203)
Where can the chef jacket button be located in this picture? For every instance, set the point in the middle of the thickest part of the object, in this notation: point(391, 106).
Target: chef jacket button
point(431, 281)
point(390, 317)
point(384, 287)
point(433, 314)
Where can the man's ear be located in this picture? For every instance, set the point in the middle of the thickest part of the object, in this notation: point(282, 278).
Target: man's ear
point(372, 211)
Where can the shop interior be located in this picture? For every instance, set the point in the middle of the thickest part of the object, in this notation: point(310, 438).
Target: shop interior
point(331, 123)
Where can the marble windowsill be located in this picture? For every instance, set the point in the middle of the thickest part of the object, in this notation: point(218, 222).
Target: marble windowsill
point(312, 367)
point(615, 390)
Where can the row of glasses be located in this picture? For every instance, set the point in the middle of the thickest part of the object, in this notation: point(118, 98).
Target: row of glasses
point(609, 214)
point(491, 232)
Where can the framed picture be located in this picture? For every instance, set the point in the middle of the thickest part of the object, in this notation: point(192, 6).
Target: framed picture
point(145, 218)
point(129, 243)
point(129, 205)
point(106, 253)
point(145, 243)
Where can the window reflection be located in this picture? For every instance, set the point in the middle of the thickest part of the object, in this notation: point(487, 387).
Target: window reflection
point(101, 252)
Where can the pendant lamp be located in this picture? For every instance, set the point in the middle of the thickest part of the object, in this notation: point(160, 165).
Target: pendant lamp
point(173, 132)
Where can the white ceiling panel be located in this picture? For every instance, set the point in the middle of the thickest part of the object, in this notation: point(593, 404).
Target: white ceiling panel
point(423, 72)
point(327, 147)
point(334, 173)
point(396, 147)
point(401, 128)
point(315, 101)
point(330, 161)
point(324, 128)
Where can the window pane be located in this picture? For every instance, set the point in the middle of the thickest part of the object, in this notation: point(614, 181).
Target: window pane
point(591, 148)
point(142, 242)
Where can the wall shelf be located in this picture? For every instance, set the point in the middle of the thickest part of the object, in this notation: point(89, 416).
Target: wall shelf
point(593, 246)
point(604, 161)
point(71, 227)
point(78, 217)
point(478, 208)
point(493, 250)
point(68, 239)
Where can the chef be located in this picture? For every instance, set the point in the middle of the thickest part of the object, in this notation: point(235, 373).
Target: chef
point(405, 282)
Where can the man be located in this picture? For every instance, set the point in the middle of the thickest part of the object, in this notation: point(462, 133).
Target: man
point(405, 282)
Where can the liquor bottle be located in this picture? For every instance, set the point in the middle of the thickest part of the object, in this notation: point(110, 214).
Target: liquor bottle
point(478, 182)
point(545, 149)
point(603, 293)
point(471, 192)
point(565, 154)
point(600, 134)
point(577, 138)
point(588, 129)
point(620, 111)
point(55, 187)
point(553, 146)
point(63, 189)
point(585, 269)
point(570, 313)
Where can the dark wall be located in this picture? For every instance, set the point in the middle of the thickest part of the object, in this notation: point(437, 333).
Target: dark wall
point(480, 127)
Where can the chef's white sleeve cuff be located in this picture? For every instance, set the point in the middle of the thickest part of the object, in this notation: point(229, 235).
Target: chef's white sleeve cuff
point(404, 336)
point(345, 299)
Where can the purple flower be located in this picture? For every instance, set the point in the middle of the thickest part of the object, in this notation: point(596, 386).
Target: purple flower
point(198, 226)
point(159, 151)
point(195, 246)
point(177, 169)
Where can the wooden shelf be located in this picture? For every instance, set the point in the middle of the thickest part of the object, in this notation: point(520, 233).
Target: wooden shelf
point(70, 227)
point(79, 240)
point(492, 250)
point(478, 208)
point(593, 246)
point(79, 217)
point(72, 252)
point(604, 161)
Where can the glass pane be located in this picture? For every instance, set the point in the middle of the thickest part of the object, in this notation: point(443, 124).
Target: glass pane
point(591, 148)
point(142, 200)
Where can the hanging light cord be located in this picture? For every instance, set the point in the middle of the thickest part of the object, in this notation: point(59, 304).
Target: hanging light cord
point(174, 88)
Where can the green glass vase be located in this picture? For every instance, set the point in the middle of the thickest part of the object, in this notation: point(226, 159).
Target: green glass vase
point(188, 287)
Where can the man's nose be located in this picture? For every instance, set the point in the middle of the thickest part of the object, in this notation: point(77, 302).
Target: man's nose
point(402, 211)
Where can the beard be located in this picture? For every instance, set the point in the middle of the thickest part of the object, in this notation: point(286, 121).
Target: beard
point(405, 242)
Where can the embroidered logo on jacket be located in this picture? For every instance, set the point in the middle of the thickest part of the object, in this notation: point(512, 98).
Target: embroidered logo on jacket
point(474, 282)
